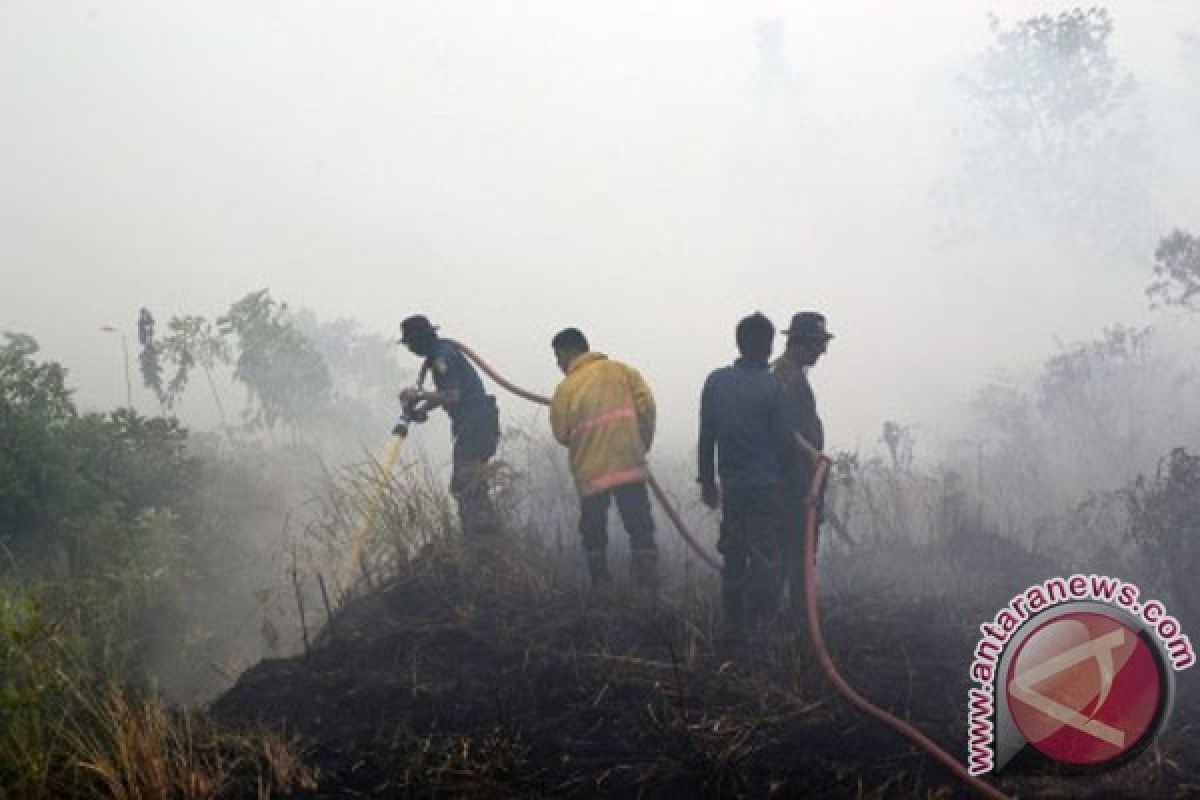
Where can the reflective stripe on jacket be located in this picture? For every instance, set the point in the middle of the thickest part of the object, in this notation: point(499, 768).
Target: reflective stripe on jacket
point(603, 411)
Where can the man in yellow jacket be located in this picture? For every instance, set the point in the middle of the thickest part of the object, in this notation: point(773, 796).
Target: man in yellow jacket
point(603, 412)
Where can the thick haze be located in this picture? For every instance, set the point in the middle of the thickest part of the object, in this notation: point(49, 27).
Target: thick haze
point(641, 170)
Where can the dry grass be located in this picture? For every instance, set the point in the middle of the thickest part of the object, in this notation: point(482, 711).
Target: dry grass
point(116, 744)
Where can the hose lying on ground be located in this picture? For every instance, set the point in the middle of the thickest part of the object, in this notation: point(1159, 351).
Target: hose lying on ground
point(812, 606)
point(813, 612)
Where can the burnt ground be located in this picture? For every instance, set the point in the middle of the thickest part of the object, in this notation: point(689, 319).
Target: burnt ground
point(484, 675)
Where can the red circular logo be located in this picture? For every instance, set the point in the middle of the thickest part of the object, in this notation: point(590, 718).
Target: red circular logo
point(1085, 688)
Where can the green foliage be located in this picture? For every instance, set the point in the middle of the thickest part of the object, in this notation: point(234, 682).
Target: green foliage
point(1177, 271)
point(60, 469)
point(25, 638)
point(151, 369)
point(288, 362)
point(192, 342)
point(88, 501)
point(36, 416)
point(283, 372)
point(148, 360)
point(123, 549)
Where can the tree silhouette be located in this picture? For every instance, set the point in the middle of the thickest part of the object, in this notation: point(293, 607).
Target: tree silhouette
point(285, 375)
point(1056, 140)
point(1176, 271)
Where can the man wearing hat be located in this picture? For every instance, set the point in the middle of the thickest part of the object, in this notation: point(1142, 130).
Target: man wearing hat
point(474, 420)
point(807, 338)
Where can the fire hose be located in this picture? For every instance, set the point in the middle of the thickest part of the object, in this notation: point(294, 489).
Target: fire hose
point(811, 502)
point(659, 494)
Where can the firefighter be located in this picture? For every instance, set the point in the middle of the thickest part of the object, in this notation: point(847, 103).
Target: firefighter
point(474, 421)
point(603, 412)
point(744, 428)
point(807, 339)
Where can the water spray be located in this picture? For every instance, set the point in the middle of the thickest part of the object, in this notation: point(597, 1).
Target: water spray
point(411, 415)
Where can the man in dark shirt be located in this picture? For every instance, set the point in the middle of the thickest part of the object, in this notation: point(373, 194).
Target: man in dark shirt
point(807, 339)
point(744, 426)
point(474, 421)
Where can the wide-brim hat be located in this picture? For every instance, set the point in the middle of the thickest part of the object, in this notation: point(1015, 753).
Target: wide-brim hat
point(808, 325)
point(416, 327)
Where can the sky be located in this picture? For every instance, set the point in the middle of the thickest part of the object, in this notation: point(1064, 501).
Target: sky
point(509, 169)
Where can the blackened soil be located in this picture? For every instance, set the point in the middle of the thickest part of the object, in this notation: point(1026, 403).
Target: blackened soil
point(483, 675)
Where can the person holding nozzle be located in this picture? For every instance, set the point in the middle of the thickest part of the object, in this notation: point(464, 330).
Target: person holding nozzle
point(603, 413)
point(807, 339)
point(474, 421)
point(746, 441)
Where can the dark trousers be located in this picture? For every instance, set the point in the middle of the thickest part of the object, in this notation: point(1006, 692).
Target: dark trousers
point(633, 503)
point(751, 543)
point(793, 555)
point(476, 437)
point(795, 519)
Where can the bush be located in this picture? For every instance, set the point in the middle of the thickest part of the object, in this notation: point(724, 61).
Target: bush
point(1164, 512)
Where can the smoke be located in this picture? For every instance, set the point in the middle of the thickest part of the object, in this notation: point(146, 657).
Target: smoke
point(646, 172)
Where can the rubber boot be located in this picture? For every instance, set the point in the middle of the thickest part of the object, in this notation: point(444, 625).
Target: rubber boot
point(470, 487)
point(733, 599)
point(597, 562)
point(732, 640)
point(643, 569)
point(643, 575)
point(480, 522)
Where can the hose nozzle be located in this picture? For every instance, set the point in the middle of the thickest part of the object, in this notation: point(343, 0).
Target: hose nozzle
point(409, 415)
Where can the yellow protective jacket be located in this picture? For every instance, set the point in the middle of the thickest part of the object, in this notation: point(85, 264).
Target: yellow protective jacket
point(603, 412)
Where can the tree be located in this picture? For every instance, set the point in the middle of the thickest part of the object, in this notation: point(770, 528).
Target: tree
point(1056, 138)
point(1177, 271)
point(1082, 378)
point(148, 360)
point(1164, 513)
point(36, 476)
point(900, 442)
point(364, 369)
point(64, 473)
point(288, 361)
point(194, 342)
point(1095, 400)
point(281, 369)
